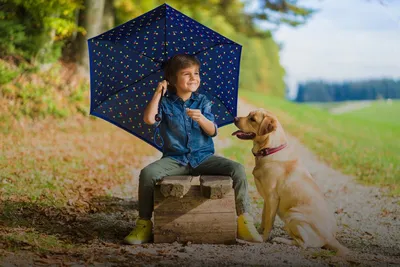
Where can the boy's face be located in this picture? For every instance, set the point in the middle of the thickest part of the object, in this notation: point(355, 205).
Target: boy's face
point(188, 79)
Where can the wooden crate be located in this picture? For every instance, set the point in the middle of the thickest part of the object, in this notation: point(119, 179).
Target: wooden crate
point(201, 210)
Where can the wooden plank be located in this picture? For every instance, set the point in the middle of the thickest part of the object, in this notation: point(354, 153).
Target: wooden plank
point(193, 202)
point(215, 187)
point(200, 222)
point(195, 180)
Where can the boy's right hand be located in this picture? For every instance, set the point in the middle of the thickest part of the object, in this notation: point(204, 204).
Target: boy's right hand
point(162, 87)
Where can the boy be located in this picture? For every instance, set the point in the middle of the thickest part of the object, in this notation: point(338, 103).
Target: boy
point(187, 127)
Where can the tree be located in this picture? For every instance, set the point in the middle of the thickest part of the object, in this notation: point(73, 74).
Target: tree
point(90, 18)
point(109, 15)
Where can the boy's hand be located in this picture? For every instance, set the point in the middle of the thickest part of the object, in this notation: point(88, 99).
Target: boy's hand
point(195, 114)
point(162, 87)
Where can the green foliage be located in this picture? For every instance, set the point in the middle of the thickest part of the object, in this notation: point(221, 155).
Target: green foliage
point(12, 36)
point(260, 68)
point(35, 30)
point(283, 12)
point(7, 73)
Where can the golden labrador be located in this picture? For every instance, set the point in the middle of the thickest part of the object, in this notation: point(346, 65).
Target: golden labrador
point(286, 186)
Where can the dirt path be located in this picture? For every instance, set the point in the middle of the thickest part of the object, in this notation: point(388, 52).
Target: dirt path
point(369, 224)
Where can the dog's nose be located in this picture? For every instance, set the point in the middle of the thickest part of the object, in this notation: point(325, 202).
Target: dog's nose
point(236, 119)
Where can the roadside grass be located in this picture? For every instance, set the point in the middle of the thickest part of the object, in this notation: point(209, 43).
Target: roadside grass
point(55, 171)
point(31, 239)
point(381, 112)
point(60, 162)
point(362, 143)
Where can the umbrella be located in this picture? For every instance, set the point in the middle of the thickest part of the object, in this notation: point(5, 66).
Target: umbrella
point(126, 64)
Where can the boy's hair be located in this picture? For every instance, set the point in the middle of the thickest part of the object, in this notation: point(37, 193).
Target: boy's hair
point(175, 64)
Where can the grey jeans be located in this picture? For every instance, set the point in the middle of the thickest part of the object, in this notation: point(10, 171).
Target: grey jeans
point(214, 165)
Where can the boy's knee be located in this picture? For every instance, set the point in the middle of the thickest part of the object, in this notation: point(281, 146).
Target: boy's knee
point(238, 170)
point(147, 176)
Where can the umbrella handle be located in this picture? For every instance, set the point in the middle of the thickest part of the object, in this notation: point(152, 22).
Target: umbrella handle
point(157, 117)
point(157, 131)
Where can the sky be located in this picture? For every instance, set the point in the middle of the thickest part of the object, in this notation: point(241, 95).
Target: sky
point(344, 40)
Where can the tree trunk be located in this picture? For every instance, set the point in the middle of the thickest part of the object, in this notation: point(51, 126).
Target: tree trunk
point(90, 18)
point(109, 15)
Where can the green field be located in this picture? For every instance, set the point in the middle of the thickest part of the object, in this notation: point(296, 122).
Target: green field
point(362, 143)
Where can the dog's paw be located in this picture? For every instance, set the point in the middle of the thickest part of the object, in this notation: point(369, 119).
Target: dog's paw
point(260, 230)
point(266, 236)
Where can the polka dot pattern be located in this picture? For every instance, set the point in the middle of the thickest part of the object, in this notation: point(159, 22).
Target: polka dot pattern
point(126, 65)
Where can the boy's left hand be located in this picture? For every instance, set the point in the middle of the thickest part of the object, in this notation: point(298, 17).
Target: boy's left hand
point(195, 114)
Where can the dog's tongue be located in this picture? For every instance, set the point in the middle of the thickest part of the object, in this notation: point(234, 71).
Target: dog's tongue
point(243, 135)
point(236, 132)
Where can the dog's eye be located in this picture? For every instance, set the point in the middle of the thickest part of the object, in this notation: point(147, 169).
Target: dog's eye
point(252, 119)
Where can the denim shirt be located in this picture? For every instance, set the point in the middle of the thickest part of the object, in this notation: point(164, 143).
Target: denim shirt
point(184, 140)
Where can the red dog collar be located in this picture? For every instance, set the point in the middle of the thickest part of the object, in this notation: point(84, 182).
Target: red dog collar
point(268, 151)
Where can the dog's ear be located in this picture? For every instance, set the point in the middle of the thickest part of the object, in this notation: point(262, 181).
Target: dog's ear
point(267, 125)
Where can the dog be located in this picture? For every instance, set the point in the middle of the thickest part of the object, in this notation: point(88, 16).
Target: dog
point(286, 186)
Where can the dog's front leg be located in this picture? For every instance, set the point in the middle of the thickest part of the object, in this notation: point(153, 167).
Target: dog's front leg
point(261, 230)
point(271, 203)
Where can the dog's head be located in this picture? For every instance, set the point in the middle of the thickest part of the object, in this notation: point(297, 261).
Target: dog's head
point(258, 124)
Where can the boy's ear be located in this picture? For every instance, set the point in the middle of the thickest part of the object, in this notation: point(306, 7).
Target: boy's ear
point(267, 125)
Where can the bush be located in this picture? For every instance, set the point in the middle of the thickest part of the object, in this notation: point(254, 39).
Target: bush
point(7, 74)
point(34, 30)
point(38, 94)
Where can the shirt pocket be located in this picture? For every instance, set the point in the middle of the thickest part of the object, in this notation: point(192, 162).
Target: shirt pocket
point(171, 118)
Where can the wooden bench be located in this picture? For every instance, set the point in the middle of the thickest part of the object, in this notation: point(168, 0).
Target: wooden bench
point(195, 209)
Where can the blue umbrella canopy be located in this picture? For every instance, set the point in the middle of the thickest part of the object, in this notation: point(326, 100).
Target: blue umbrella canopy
point(126, 64)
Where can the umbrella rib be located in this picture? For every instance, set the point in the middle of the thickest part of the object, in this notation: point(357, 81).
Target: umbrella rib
point(165, 35)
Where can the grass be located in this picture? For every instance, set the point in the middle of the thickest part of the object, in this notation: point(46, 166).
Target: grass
point(59, 162)
point(29, 238)
point(362, 143)
point(380, 112)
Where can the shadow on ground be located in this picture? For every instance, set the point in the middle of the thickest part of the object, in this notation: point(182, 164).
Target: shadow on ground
point(109, 220)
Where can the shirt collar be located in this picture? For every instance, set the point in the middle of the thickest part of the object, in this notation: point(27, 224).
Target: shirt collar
point(174, 97)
